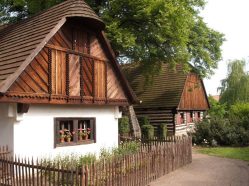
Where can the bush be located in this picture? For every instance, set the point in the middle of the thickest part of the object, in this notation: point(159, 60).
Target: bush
point(162, 131)
point(144, 121)
point(148, 131)
point(124, 126)
point(217, 110)
point(239, 115)
point(222, 131)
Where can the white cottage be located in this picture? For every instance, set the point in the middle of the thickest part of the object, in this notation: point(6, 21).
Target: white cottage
point(60, 84)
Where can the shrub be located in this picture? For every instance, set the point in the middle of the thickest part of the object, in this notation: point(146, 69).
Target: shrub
point(217, 110)
point(239, 115)
point(126, 148)
point(144, 121)
point(124, 125)
point(220, 130)
point(148, 131)
point(162, 131)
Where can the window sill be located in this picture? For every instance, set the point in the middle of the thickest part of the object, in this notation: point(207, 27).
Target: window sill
point(67, 144)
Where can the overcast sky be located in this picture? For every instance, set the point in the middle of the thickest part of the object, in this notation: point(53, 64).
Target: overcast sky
point(231, 17)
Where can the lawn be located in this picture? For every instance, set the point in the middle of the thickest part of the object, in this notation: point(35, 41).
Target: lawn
point(227, 152)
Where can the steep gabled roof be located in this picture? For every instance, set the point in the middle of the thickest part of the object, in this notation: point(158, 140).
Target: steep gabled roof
point(21, 42)
point(164, 91)
point(172, 89)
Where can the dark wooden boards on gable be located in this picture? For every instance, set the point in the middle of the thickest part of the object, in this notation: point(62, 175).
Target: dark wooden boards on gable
point(72, 68)
point(193, 96)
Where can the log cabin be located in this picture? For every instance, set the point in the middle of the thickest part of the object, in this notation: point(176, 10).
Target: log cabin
point(172, 97)
point(60, 84)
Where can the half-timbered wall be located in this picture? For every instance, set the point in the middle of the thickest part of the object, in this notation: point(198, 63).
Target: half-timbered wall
point(193, 97)
point(72, 68)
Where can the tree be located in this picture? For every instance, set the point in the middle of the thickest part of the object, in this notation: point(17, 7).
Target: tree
point(235, 88)
point(217, 110)
point(148, 31)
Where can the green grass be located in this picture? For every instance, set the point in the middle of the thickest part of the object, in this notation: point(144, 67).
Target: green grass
point(227, 152)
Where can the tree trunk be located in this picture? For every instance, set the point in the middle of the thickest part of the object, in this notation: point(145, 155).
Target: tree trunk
point(134, 122)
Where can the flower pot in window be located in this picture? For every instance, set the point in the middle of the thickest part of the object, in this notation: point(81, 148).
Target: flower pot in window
point(85, 137)
point(62, 140)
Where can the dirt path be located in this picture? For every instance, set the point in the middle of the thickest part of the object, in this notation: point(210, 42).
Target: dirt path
point(208, 171)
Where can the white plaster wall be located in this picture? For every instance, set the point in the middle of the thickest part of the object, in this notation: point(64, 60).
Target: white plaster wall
point(34, 135)
point(6, 125)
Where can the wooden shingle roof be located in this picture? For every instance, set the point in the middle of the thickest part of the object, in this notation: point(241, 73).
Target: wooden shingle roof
point(164, 91)
point(21, 42)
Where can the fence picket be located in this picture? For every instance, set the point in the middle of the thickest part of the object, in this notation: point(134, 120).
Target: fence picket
point(154, 159)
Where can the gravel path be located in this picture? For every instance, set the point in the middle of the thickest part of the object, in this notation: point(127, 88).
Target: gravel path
point(208, 171)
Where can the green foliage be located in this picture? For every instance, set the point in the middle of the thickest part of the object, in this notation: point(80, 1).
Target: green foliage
point(74, 160)
point(240, 110)
point(235, 88)
point(126, 148)
point(87, 159)
point(216, 108)
point(234, 153)
point(144, 121)
point(123, 125)
point(162, 131)
point(15, 10)
point(148, 131)
point(221, 131)
point(239, 115)
point(148, 31)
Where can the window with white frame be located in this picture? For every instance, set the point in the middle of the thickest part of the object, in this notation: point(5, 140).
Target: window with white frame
point(74, 131)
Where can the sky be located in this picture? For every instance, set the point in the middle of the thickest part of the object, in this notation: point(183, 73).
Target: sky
point(229, 17)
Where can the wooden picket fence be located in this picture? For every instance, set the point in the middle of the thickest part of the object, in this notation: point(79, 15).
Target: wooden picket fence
point(151, 162)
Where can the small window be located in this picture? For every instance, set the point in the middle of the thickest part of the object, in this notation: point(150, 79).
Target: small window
point(181, 118)
point(74, 131)
point(199, 115)
point(191, 116)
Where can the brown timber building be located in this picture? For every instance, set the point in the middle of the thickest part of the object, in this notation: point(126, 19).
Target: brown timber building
point(174, 98)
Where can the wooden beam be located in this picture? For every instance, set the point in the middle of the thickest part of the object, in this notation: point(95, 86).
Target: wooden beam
point(93, 80)
point(81, 78)
point(50, 72)
point(69, 51)
point(106, 81)
point(22, 108)
point(57, 100)
point(67, 75)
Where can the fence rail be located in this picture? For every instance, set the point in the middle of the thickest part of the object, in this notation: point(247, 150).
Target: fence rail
point(154, 160)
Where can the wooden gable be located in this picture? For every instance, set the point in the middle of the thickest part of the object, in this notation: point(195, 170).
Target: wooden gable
point(194, 95)
point(73, 67)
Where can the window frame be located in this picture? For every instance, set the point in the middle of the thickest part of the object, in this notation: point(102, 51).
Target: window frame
point(182, 118)
point(191, 116)
point(75, 123)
